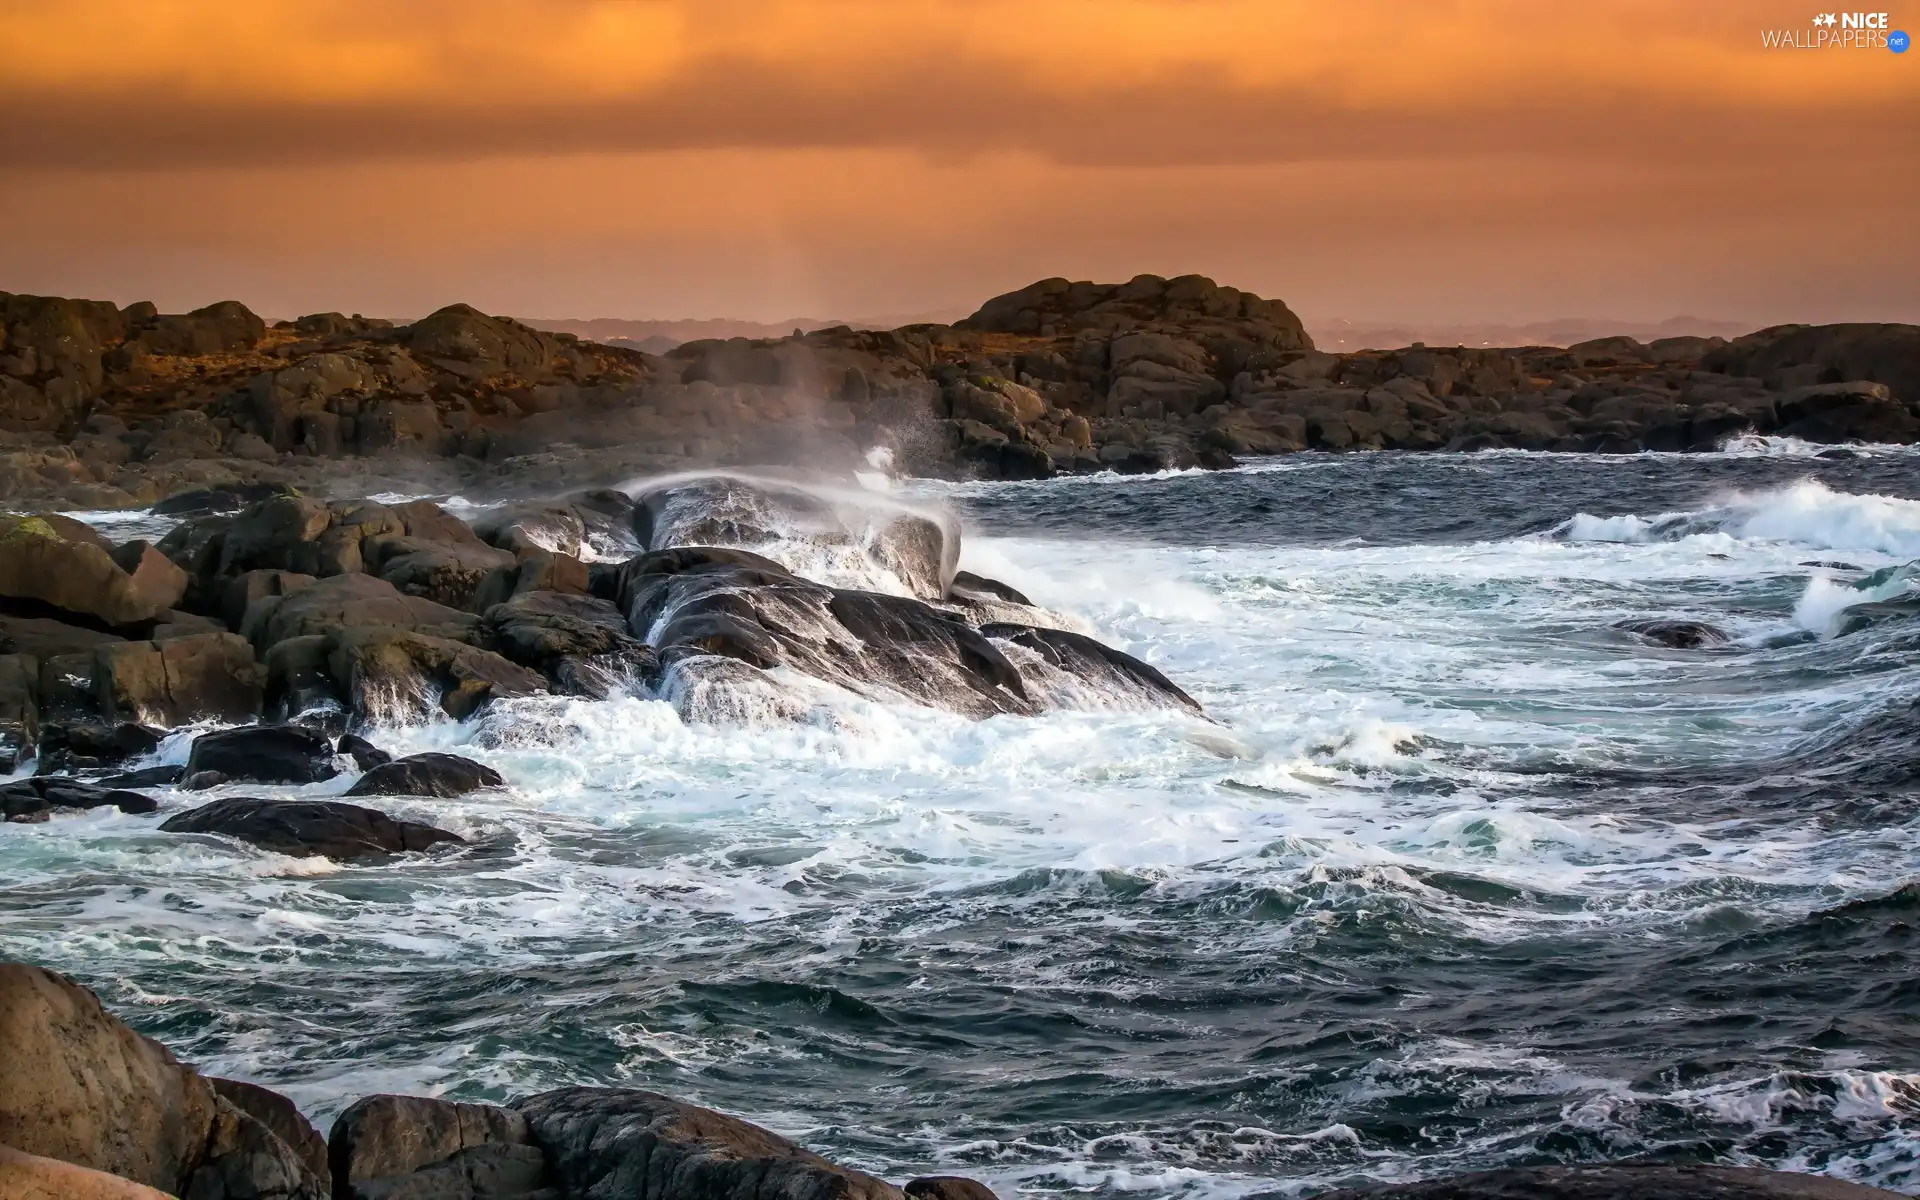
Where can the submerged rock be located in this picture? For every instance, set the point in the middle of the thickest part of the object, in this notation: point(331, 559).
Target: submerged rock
point(29, 801)
point(264, 754)
point(305, 828)
point(1679, 635)
point(428, 774)
point(365, 754)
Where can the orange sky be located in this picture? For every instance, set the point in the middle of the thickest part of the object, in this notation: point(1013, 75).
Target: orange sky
point(1438, 161)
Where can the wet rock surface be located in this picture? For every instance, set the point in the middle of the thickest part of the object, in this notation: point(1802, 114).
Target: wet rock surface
point(306, 828)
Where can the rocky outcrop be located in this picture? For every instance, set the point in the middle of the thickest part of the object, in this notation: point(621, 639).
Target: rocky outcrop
point(306, 828)
point(428, 774)
point(1676, 1181)
point(109, 407)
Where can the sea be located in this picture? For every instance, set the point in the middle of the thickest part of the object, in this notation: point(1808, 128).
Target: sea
point(1454, 873)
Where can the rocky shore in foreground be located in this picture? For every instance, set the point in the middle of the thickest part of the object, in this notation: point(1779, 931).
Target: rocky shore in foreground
point(104, 407)
point(91, 1110)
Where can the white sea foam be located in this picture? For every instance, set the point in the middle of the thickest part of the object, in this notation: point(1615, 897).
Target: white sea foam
point(1806, 514)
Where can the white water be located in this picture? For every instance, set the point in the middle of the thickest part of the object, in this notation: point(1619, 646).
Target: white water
point(1376, 708)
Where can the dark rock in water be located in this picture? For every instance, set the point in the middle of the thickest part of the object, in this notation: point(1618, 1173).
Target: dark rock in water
point(1679, 635)
point(205, 501)
point(754, 514)
point(165, 775)
point(1091, 674)
point(948, 1187)
point(428, 774)
point(29, 801)
point(579, 642)
point(695, 602)
point(88, 744)
point(264, 754)
point(305, 828)
point(365, 754)
point(399, 1147)
point(82, 1088)
point(284, 1119)
point(1687, 1181)
point(615, 1142)
point(966, 585)
point(1832, 565)
point(1838, 453)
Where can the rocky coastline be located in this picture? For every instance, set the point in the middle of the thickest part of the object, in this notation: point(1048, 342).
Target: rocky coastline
point(110, 408)
point(290, 609)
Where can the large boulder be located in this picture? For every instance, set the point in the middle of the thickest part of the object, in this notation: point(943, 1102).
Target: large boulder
point(41, 561)
point(395, 674)
point(221, 328)
point(263, 754)
point(394, 1147)
point(495, 345)
point(307, 828)
point(428, 774)
point(1883, 353)
point(616, 1142)
point(283, 1118)
point(1622, 1181)
point(350, 600)
point(692, 603)
point(82, 1088)
point(209, 676)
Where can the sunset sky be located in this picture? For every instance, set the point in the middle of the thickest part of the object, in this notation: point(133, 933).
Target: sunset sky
point(1437, 161)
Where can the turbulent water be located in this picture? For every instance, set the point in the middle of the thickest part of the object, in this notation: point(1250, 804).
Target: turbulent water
point(1458, 876)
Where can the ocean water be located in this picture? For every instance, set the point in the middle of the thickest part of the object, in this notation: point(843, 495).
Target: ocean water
point(1456, 875)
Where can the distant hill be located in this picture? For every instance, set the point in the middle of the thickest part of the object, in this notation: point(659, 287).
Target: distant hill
point(1334, 334)
point(1339, 334)
point(657, 337)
